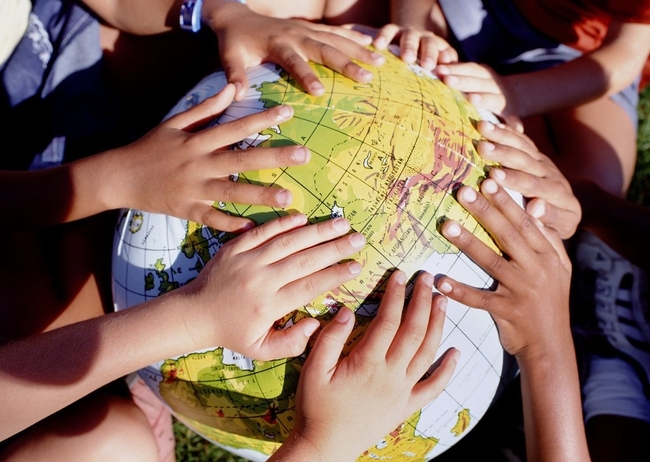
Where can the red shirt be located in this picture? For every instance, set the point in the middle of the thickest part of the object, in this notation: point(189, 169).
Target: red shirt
point(582, 24)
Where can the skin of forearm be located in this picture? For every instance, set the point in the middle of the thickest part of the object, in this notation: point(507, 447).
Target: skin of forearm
point(60, 194)
point(601, 73)
point(139, 17)
point(44, 373)
point(552, 407)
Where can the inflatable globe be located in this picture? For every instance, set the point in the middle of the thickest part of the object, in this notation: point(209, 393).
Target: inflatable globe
point(387, 155)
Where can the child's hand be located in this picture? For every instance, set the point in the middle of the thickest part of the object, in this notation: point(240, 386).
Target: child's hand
point(179, 170)
point(379, 384)
point(414, 43)
point(484, 88)
point(526, 170)
point(247, 39)
point(531, 302)
point(264, 274)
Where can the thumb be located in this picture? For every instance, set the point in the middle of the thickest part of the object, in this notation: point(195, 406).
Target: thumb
point(235, 69)
point(290, 342)
point(329, 344)
point(205, 111)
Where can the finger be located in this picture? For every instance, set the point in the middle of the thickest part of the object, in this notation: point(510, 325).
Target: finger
point(564, 221)
point(327, 349)
point(472, 70)
point(246, 160)
point(267, 231)
point(339, 58)
point(513, 229)
point(233, 131)
point(482, 299)
point(234, 65)
point(447, 53)
point(429, 52)
point(212, 218)
point(430, 388)
point(511, 157)
point(410, 46)
point(382, 330)
point(302, 291)
point(492, 101)
point(300, 247)
point(386, 35)
point(508, 136)
point(244, 193)
point(362, 36)
point(413, 329)
point(558, 245)
point(296, 66)
point(288, 343)
point(203, 112)
point(426, 354)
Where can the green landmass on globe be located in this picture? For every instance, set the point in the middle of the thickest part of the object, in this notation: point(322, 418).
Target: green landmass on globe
point(387, 155)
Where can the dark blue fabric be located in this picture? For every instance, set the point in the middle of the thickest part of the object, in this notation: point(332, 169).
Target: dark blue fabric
point(52, 89)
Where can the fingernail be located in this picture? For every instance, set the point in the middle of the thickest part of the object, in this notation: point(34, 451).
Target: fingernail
point(442, 304)
point(445, 287)
point(379, 59)
point(538, 210)
point(408, 56)
point(354, 268)
point(380, 42)
point(298, 218)
point(357, 240)
point(451, 80)
point(300, 155)
point(400, 277)
point(310, 329)
point(468, 195)
point(341, 225)
point(427, 279)
point(284, 111)
point(316, 89)
point(489, 186)
point(365, 74)
point(452, 229)
point(344, 315)
point(498, 174)
point(489, 126)
point(247, 226)
point(488, 146)
point(284, 198)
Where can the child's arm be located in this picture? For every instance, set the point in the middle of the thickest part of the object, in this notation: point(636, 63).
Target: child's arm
point(247, 38)
point(531, 309)
point(523, 168)
point(421, 28)
point(378, 385)
point(600, 73)
point(251, 282)
point(176, 169)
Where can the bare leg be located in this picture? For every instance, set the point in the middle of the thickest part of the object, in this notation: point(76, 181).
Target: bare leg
point(101, 427)
point(596, 141)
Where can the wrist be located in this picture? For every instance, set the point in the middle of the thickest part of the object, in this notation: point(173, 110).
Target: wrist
point(219, 13)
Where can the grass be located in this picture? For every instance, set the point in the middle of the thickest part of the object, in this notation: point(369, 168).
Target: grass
point(192, 448)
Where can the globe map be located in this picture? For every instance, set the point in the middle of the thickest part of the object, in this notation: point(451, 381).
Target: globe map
point(388, 156)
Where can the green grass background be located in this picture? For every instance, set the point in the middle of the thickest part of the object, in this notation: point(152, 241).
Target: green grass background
point(192, 448)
